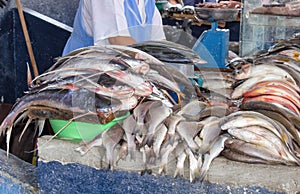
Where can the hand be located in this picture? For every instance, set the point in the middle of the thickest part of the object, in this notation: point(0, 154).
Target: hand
point(2, 3)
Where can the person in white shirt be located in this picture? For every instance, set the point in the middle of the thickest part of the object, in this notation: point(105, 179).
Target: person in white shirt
point(121, 22)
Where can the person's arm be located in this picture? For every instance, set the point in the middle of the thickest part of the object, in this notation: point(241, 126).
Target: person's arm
point(121, 40)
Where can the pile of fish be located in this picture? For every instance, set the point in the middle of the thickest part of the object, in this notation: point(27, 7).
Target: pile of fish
point(190, 134)
point(266, 129)
point(249, 113)
point(95, 85)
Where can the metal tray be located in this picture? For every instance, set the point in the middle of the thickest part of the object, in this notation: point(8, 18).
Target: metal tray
point(216, 14)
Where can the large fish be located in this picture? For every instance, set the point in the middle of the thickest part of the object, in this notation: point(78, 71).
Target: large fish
point(255, 151)
point(275, 99)
point(249, 83)
point(260, 136)
point(276, 91)
point(255, 118)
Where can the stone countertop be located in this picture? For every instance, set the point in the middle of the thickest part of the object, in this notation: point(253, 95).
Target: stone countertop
point(276, 178)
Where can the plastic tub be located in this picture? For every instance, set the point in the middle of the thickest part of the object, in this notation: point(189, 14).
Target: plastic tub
point(82, 130)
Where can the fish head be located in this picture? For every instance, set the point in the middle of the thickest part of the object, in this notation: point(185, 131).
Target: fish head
point(243, 72)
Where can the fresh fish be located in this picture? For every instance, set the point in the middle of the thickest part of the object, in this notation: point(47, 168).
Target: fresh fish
point(193, 165)
point(208, 134)
point(159, 137)
point(215, 149)
point(278, 108)
point(255, 151)
point(165, 152)
point(261, 70)
point(235, 156)
point(156, 115)
point(139, 114)
point(180, 156)
point(279, 84)
point(187, 131)
point(275, 91)
point(249, 83)
point(236, 119)
point(284, 121)
point(128, 125)
point(275, 99)
point(262, 137)
point(192, 108)
point(79, 101)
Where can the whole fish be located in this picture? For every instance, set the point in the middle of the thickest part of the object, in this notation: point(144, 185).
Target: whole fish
point(256, 118)
point(215, 149)
point(208, 134)
point(275, 91)
point(279, 84)
point(261, 105)
point(262, 70)
point(79, 101)
point(256, 151)
point(274, 99)
point(235, 156)
point(284, 121)
point(187, 131)
point(263, 137)
point(156, 115)
point(128, 125)
point(249, 83)
point(159, 137)
point(180, 156)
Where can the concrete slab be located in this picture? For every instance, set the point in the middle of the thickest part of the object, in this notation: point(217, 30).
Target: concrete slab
point(277, 178)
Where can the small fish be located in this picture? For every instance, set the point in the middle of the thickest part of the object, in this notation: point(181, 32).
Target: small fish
point(216, 148)
point(165, 152)
point(159, 137)
point(193, 165)
point(128, 125)
point(180, 156)
point(208, 134)
point(187, 131)
point(193, 108)
point(156, 115)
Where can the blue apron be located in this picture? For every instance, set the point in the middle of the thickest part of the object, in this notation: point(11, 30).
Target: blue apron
point(79, 38)
point(140, 32)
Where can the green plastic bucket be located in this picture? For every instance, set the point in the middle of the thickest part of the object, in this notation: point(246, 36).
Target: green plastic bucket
point(82, 130)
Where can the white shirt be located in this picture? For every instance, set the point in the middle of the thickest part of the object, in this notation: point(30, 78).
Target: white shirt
point(105, 18)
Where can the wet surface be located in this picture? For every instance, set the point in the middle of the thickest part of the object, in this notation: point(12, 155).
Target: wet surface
point(75, 178)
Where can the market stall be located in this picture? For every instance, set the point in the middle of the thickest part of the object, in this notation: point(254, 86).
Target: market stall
point(161, 108)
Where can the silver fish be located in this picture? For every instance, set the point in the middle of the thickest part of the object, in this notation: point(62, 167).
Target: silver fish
point(187, 131)
point(128, 125)
point(216, 148)
point(209, 133)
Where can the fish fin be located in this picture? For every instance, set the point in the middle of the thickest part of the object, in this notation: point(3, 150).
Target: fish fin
point(29, 76)
point(26, 126)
